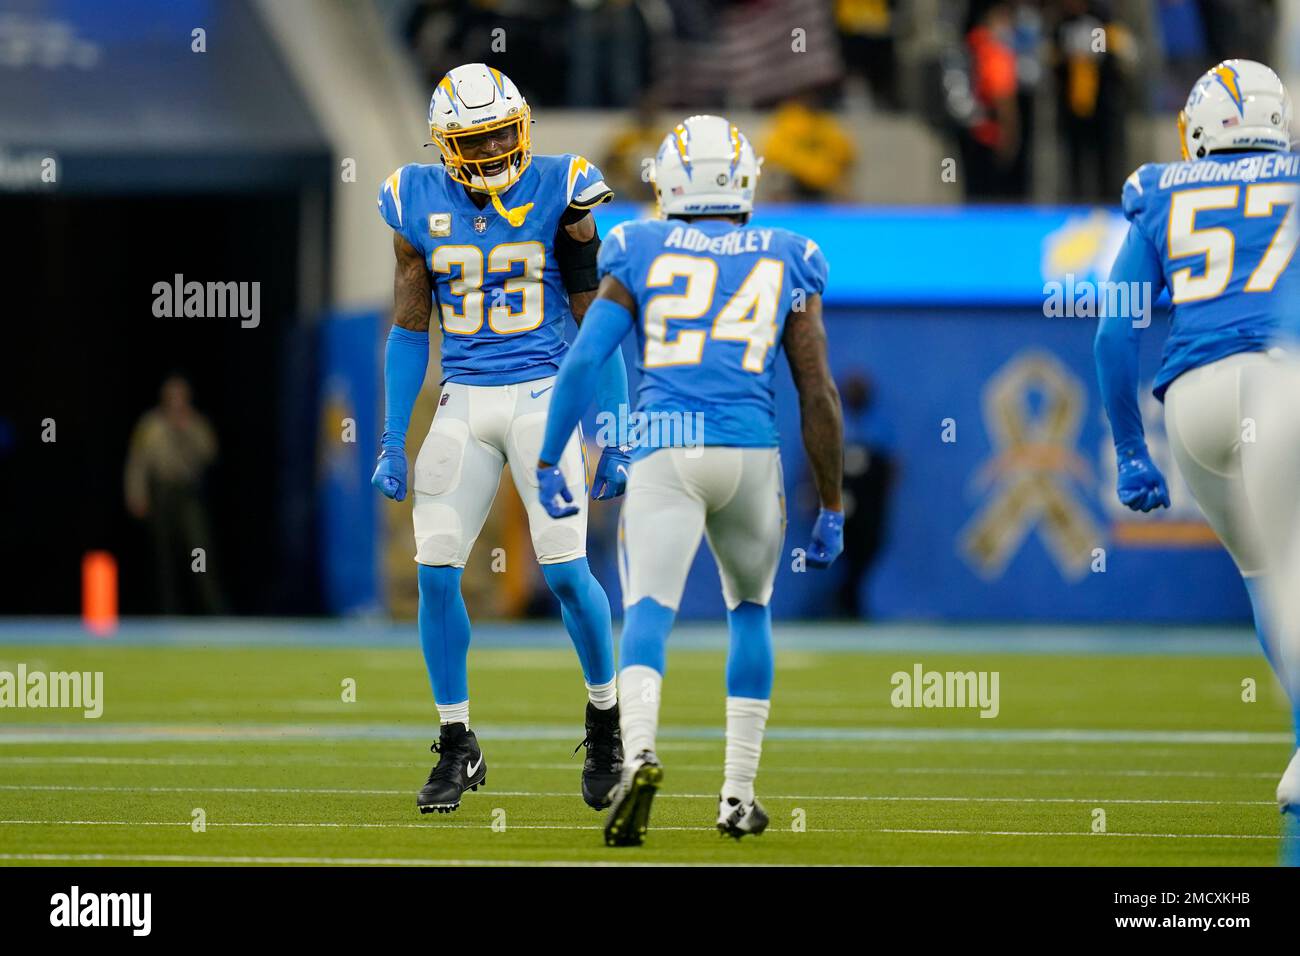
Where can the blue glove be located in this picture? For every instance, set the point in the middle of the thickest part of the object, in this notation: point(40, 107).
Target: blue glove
point(405, 358)
point(550, 484)
point(390, 472)
point(1141, 486)
point(611, 474)
point(827, 538)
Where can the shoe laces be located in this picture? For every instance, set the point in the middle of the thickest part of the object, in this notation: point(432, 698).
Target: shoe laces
point(447, 755)
point(599, 742)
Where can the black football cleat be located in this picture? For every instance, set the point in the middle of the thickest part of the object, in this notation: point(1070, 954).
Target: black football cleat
point(460, 767)
point(604, 763)
point(629, 809)
point(737, 819)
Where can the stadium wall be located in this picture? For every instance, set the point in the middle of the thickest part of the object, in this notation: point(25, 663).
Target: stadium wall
point(974, 326)
point(1003, 505)
point(987, 400)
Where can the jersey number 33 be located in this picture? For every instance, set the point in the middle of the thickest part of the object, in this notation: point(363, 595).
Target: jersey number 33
point(518, 302)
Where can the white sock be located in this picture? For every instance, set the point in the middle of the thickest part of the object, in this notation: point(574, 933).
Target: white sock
point(746, 719)
point(454, 713)
point(603, 696)
point(638, 695)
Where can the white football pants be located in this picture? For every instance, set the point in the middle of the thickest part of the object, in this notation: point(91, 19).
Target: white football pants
point(1270, 394)
point(1213, 420)
point(476, 430)
point(735, 496)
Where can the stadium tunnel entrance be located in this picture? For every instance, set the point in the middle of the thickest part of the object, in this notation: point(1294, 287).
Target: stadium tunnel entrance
point(139, 159)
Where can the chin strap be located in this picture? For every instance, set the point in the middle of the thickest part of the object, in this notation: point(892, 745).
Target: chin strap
point(514, 216)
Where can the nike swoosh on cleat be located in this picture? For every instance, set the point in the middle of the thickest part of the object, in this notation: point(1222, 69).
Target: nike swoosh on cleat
point(472, 768)
point(540, 392)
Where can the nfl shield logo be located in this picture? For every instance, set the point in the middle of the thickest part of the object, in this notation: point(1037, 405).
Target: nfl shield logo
point(480, 223)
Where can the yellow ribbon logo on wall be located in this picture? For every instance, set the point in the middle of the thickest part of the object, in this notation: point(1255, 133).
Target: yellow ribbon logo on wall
point(1033, 409)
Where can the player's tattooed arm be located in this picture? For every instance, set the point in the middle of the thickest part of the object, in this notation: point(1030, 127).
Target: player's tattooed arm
point(820, 416)
point(580, 302)
point(584, 230)
point(412, 291)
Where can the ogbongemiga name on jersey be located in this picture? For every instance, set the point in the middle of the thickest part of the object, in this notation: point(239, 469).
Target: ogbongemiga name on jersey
point(497, 289)
point(1223, 228)
point(712, 299)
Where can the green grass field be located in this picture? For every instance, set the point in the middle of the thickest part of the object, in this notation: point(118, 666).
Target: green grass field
point(284, 770)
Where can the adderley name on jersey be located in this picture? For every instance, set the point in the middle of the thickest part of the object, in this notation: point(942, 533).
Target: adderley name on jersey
point(732, 243)
point(1246, 169)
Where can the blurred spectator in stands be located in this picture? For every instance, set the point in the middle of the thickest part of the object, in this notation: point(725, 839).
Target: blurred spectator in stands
point(868, 476)
point(1193, 35)
point(606, 46)
point(1028, 44)
point(1181, 33)
point(526, 39)
point(992, 141)
point(867, 44)
point(807, 154)
point(760, 53)
point(171, 448)
point(677, 33)
point(634, 142)
point(432, 30)
point(1239, 28)
point(1089, 50)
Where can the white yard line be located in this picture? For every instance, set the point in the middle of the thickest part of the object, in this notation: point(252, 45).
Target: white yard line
point(596, 827)
point(336, 860)
point(1082, 772)
point(275, 761)
point(980, 771)
point(564, 794)
point(1084, 833)
point(278, 733)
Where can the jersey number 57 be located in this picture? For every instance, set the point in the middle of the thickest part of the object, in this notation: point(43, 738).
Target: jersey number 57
point(1218, 244)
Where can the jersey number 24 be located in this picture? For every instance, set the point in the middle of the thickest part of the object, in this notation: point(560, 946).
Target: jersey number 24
point(749, 316)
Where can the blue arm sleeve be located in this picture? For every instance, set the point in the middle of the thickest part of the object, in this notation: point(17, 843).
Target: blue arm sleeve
point(1116, 346)
point(406, 357)
point(611, 387)
point(603, 328)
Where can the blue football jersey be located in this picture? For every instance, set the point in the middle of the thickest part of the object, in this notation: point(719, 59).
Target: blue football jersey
point(712, 299)
point(497, 289)
point(1224, 231)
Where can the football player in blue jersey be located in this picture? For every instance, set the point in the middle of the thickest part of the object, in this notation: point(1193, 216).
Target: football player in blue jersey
point(1279, 455)
point(1218, 230)
point(713, 300)
point(500, 245)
